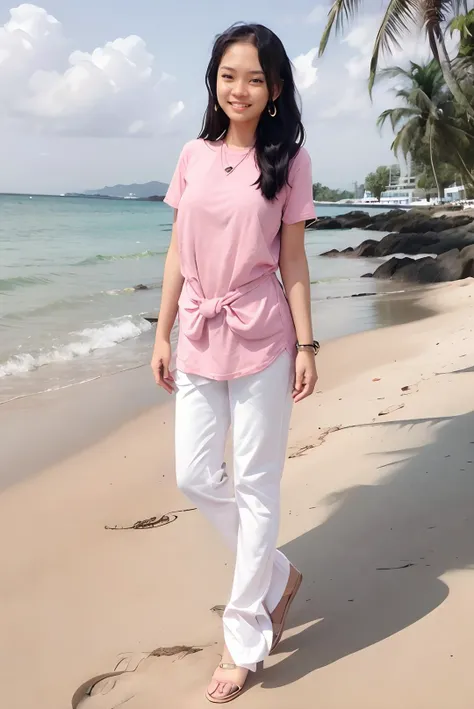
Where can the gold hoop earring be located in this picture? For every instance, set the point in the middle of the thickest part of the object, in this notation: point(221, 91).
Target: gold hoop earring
point(272, 110)
point(216, 107)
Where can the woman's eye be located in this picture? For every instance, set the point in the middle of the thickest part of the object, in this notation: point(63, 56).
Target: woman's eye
point(253, 81)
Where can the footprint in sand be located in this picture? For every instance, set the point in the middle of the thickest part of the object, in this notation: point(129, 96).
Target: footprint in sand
point(136, 683)
point(319, 441)
point(114, 692)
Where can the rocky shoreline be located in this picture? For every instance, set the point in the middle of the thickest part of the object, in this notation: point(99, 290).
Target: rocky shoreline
point(443, 245)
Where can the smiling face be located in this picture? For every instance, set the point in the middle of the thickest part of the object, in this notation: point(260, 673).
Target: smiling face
point(242, 90)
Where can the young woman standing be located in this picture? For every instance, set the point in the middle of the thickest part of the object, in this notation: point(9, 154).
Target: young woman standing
point(241, 194)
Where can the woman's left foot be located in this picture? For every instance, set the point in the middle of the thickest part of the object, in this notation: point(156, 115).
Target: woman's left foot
point(227, 681)
point(280, 613)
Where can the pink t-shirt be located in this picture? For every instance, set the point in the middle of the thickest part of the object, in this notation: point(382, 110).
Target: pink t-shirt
point(234, 318)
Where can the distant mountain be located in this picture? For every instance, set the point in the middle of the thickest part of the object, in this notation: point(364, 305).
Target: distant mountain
point(149, 189)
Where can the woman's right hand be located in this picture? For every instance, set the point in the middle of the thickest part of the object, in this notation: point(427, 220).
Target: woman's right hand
point(160, 365)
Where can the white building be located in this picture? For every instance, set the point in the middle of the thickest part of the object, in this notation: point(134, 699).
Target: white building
point(402, 190)
point(455, 193)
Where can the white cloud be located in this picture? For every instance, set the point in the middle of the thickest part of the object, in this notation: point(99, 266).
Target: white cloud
point(317, 15)
point(350, 100)
point(136, 127)
point(306, 74)
point(113, 90)
point(362, 35)
point(175, 109)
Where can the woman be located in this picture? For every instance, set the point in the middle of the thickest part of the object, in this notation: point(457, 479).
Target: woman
point(241, 194)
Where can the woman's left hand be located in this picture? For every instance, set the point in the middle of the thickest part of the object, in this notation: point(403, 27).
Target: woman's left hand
point(306, 375)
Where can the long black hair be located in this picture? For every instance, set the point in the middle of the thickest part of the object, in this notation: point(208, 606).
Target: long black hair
point(278, 139)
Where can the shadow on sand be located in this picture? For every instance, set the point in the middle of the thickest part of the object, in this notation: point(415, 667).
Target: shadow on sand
point(422, 514)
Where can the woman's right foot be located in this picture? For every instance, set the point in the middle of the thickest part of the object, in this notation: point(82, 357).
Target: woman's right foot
point(227, 681)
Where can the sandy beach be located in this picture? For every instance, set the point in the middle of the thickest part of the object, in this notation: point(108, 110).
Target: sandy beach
point(378, 513)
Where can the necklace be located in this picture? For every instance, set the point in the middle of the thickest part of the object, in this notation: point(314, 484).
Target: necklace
point(231, 168)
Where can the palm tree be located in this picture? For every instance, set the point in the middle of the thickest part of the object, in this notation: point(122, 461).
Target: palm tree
point(399, 18)
point(464, 63)
point(464, 24)
point(426, 125)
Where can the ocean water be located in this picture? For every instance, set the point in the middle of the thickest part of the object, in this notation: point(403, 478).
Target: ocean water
point(68, 267)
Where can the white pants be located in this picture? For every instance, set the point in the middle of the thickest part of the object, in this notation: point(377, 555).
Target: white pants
point(247, 511)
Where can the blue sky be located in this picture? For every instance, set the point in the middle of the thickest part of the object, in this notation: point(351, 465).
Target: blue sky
point(102, 92)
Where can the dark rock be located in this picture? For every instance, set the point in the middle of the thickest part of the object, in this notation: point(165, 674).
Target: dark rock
point(467, 252)
point(351, 220)
point(417, 222)
point(140, 287)
point(467, 256)
point(327, 223)
point(406, 244)
point(422, 224)
point(411, 244)
point(460, 232)
point(332, 252)
point(390, 267)
point(423, 270)
point(452, 265)
point(367, 248)
point(387, 221)
point(355, 220)
point(412, 221)
point(448, 242)
point(388, 244)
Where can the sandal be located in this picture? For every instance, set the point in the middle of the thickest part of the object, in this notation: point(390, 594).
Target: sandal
point(289, 595)
point(210, 696)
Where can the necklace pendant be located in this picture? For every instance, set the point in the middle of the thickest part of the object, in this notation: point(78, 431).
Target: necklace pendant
point(229, 169)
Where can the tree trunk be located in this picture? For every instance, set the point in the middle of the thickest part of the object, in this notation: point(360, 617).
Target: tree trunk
point(432, 163)
point(451, 81)
point(466, 171)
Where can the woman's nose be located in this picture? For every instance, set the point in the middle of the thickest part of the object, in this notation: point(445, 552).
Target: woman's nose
point(240, 88)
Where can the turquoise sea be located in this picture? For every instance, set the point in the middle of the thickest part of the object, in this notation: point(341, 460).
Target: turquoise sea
point(68, 310)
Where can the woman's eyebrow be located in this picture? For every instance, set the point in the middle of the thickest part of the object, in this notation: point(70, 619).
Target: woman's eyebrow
point(253, 71)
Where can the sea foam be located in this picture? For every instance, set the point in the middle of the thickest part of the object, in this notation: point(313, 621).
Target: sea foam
point(84, 343)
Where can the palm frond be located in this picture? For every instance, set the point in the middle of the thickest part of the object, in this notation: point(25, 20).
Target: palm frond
point(425, 104)
point(462, 24)
point(404, 94)
point(394, 72)
point(427, 78)
point(434, 15)
point(457, 135)
point(407, 138)
point(341, 11)
point(396, 116)
point(398, 16)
